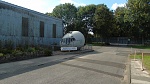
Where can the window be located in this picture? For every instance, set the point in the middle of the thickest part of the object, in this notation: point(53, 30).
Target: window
point(41, 29)
point(72, 39)
point(54, 30)
point(25, 26)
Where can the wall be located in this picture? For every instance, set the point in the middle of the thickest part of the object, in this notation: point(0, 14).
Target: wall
point(11, 26)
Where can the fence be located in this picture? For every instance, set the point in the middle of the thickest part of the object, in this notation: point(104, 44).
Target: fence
point(139, 55)
point(121, 40)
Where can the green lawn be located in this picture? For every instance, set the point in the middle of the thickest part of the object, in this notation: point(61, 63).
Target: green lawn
point(140, 47)
point(146, 60)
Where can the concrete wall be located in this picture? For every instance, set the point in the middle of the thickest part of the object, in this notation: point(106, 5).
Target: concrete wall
point(11, 26)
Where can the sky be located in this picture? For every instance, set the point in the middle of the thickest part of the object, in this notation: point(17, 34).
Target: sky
point(44, 6)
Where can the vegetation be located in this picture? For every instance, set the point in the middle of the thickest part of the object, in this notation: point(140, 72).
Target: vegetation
point(9, 53)
point(100, 44)
point(66, 12)
point(131, 21)
point(47, 52)
point(1, 54)
point(140, 47)
point(146, 60)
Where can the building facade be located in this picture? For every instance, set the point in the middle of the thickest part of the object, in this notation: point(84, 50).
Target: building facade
point(27, 27)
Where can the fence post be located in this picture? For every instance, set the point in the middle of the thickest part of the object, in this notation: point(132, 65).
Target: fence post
point(131, 50)
point(142, 62)
point(134, 55)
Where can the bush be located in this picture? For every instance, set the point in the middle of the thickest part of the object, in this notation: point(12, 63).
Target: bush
point(1, 54)
point(47, 52)
point(30, 49)
point(107, 43)
point(6, 51)
point(0, 45)
point(20, 47)
point(17, 53)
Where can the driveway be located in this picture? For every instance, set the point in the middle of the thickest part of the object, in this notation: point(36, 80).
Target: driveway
point(105, 65)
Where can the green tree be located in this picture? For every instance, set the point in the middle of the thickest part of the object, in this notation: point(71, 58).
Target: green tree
point(85, 16)
point(122, 26)
point(66, 12)
point(104, 20)
point(138, 16)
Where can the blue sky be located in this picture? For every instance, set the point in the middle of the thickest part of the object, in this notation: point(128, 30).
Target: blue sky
point(44, 6)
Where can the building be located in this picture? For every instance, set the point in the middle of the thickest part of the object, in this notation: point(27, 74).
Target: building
point(23, 26)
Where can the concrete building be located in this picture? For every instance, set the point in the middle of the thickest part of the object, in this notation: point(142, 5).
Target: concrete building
point(23, 26)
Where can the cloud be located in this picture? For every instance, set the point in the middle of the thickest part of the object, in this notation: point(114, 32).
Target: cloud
point(115, 5)
point(42, 6)
point(37, 5)
point(72, 2)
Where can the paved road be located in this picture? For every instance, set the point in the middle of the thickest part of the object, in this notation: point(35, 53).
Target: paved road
point(106, 65)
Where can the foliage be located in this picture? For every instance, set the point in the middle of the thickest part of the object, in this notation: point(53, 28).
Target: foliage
point(138, 15)
point(30, 49)
point(6, 51)
point(21, 53)
point(1, 54)
point(131, 21)
point(66, 12)
point(146, 60)
point(140, 47)
point(48, 52)
point(17, 53)
point(122, 27)
point(104, 20)
point(0, 45)
point(85, 16)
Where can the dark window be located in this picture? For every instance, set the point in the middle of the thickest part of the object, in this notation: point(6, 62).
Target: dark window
point(41, 29)
point(72, 39)
point(54, 30)
point(25, 26)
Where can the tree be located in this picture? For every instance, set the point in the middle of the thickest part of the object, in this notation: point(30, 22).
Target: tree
point(66, 12)
point(138, 16)
point(122, 26)
point(85, 16)
point(104, 20)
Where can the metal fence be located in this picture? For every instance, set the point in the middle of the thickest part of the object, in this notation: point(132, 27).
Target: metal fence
point(138, 55)
point(120, 40)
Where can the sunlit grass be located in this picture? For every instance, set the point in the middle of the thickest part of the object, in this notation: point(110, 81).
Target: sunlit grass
point(141, 47)
point(146, 60)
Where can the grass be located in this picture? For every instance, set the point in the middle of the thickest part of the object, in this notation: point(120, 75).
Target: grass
point(146, 60)
point(141, 47)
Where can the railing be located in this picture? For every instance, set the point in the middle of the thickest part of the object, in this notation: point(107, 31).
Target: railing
point(138, 55)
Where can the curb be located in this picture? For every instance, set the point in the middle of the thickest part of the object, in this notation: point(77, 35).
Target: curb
point(74, 52)
point(127, 74)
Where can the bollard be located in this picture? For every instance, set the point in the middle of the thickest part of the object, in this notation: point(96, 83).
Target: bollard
point(134, 55)
point(131, 50)
point(142, 62)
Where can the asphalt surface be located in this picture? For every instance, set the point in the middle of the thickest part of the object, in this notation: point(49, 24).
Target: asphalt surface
point(105, 65)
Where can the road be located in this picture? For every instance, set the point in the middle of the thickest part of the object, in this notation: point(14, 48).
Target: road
point(105, 65)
